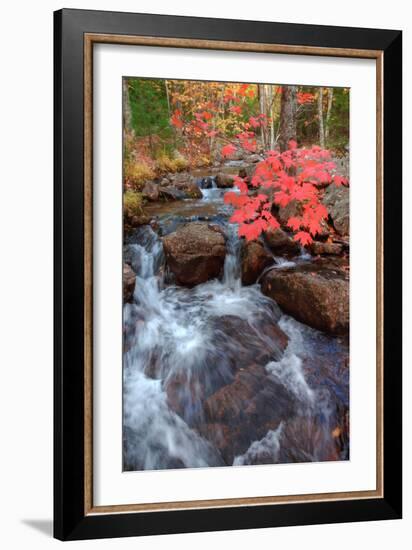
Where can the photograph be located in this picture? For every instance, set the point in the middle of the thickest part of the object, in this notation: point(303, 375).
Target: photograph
point(236, 256)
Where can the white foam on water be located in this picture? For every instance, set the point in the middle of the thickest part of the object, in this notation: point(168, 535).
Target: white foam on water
point(266, 449)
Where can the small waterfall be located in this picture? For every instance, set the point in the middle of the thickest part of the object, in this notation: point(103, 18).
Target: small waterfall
point(231, 271)
point(210, 191)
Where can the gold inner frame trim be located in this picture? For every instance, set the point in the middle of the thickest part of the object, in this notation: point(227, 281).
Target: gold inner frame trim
point(89, 40)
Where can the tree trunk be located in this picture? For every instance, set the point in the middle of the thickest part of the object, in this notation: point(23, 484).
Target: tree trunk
point(168, 99)
point(320, 117)
point(127, 111)
point(287, 130)
point(269, 119)
point(328, 113)
point(262, 107)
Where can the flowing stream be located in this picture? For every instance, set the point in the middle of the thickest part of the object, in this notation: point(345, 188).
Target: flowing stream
point(209, 377)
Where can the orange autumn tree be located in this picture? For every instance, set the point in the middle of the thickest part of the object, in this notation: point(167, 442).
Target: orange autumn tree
point(207, 114)
point(297, 174)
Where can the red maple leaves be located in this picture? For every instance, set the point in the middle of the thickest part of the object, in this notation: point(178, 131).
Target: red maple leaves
point(297, 175)
point(304, 97)
point(176, 119)
point(228, 150)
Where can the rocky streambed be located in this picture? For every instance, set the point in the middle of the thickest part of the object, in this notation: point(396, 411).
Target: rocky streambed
point(234, 353)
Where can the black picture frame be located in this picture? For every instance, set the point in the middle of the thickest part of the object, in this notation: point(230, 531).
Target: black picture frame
point(70, 520)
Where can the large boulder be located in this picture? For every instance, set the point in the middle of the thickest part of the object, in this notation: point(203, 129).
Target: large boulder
point(336, 199)
point(243, 411)
point(255, 258)
point(129, 281)
point(244, 343)
point(281, 243)
point(316, 294)
point(238, 345)
point(195, 253)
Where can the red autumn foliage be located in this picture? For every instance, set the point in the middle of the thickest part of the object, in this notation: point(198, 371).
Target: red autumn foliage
point(297, 174)
point(228, 150)
point(294, 175)
point(176, 120)
point(305, 97)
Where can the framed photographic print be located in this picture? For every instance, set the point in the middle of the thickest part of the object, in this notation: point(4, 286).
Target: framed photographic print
point(227, 274)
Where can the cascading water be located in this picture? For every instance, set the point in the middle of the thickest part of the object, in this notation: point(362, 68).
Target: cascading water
point(208, 377)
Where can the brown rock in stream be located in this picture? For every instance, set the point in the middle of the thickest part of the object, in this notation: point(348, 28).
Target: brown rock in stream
point(316, 294)
point(281, 243)
point(243, 411)
point(255, 258)
point(195, 253)
point(224, 180)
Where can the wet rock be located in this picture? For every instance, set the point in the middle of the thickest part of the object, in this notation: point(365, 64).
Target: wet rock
point(243, 411)
point(316, 294)
point(247, 171)
point(165, 182)
point(224, 180)
point(336, 199)
point(185, 395)
point(281, 243)
point(326, 249)
point(244, 343)
point(171, 193)
point(306, 438)
point(253, 158)
point(129, 281)
point(255, 258)
point(150, 191)
point(187, 388)
point(195, 253)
